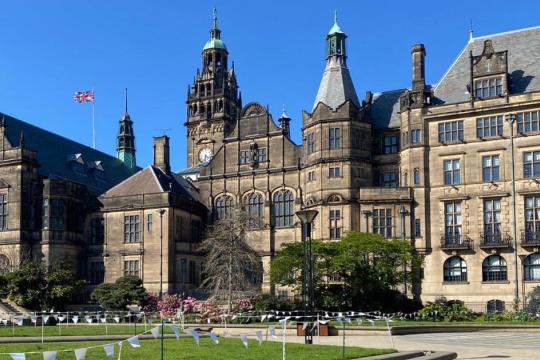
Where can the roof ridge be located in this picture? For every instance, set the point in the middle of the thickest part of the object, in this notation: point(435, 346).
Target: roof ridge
point(125, 180)
point(507, 32)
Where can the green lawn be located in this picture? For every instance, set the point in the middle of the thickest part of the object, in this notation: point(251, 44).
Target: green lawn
point(186, 348)
point(76, 330)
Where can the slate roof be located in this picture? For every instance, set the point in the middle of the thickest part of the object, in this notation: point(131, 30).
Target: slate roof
point(54, 152)
point(385, 109)
point(152, 180)
point(523, 53)
point(336, 85)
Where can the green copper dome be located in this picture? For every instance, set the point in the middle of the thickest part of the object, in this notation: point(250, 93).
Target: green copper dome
point(335, 29)
point(214, 43)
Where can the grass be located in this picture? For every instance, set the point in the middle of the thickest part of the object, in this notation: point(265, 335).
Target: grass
point(186, 349)
point(74, 330)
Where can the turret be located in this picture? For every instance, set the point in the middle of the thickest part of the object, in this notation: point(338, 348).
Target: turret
point(125, 149)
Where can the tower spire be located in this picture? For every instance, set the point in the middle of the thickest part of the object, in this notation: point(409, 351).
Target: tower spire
point(471, 32)
point(125, 148)
point(126, 100)
point(214, 18)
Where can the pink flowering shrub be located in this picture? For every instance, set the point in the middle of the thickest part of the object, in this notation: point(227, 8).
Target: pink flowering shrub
point(151, 304)
point(189, 305)
point(242, 305)
point(209, 309)
point(170, 304)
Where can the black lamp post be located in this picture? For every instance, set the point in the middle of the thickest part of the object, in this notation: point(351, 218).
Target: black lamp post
point(161, 212)
point(306, 218)
point(404, 212)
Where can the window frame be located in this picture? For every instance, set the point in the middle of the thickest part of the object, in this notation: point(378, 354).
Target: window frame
point(382, 222)
point(451, 131)
point(224, 206)
point(334, 172)
point(491, 87)
point(452, 176)
point(132, 229)
point(489, 127)
point(531, 168)
point(283, 209)
point(531, 268)
point(454, 272)
point(528, 122)
point(493, 272)
point(334, 219)
point(390, 144)
point(334, 138)
point(311, 144)
point(491, 172)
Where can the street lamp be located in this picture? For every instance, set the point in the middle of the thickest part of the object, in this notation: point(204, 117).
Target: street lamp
point(306, 218)
point(511, 118)
point(404, 212)
point(161, 212)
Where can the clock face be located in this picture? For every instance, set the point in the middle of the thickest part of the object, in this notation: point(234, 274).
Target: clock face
point(205, 155)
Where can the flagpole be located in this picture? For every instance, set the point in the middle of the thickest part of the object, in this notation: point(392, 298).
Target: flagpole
point(93, 119)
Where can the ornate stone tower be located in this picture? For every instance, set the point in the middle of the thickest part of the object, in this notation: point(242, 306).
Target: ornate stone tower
point(213, 101)
point(125, 148)
point(337, 145)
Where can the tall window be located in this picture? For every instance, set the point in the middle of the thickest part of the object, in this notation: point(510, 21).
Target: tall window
point(528, 122)
point(451, 131)
point(334, 172)
point(391, 144)
point(261, 154)
point(390, 179)
point(334, 138)
point(311, 176)
point(183, 271)
point(382, 222)
point(452, 172)
point(490, 168)
point(97, 228)
point(244, 157)
point(531, 164)
point(283, 208)
point(149, 222)
point(311, 143)
point(335, 224)
point(3, 211)
point(531, 267)
point(489, 126)
point(416, 136)
point(486, 88)
point(492, 220)
point(494, 269)
point(196, 231)
point(455, 269)
point(452, 222)
point(417, 176)
point(417, 228)
point(224, 206)
point(131, 228)
point(532, 217)
point(131, 268)
point(255, 209)
point(97, 272)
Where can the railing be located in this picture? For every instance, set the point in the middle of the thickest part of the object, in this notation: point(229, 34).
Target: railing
point(456, 242)
point(495, 240)
point(530, 238)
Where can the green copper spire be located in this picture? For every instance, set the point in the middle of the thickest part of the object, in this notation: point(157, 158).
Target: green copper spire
point(335, 28)
point(215, 41)
point(125, 149)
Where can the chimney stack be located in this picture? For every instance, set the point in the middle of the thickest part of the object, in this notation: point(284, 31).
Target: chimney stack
point(161, 154)
point(418, 59)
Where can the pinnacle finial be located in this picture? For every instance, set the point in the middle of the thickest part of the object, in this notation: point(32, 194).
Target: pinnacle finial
point(126, 100)
point(335, 16)
point(471, 32)
point(214, 18)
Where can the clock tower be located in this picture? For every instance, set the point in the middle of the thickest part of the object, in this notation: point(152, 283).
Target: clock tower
point(213, 101)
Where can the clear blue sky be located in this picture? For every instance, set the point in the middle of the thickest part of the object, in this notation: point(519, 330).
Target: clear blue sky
point(49, 49)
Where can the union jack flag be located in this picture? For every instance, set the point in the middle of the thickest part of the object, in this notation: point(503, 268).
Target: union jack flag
point(84, 96)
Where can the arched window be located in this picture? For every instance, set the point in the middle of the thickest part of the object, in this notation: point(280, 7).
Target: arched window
point(283, 208)
point(494, 269)
point(495, 306)
point(334, 198)
point(455, 269)
point(5, 264)
point(224, 206)
point(416, 176)
point(531, 267)
point(255, 208)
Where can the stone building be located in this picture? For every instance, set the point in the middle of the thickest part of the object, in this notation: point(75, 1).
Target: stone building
point(431, 164)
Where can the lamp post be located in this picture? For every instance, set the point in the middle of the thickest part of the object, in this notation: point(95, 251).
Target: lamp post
point(403, 212)
point(306, 218)
point(511, 118)
point(161, 212)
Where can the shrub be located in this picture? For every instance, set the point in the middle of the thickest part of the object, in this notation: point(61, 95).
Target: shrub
point(442, 309)
point(190, 305)
point(170, 304)
point(209, 310)
point(533, 301)
point(125, 291)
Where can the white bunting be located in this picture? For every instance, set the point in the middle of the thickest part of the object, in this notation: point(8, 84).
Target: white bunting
point(45, 319)
point(263, 318)
point(117, 319)
point(214, 337)
point(4, 321)
point(359, 321)
point(134, 342)
point(259, 335)
point(304, 325)
point(176, 331)
point(19, 322)
point(109, 350)
point(33, 319)
point(324, 322)
point(18, 356)
point(80, 354)
point(196, 336)
point(75, 319)
point(155, 332)
point(88, 319)
point(55, 317)
point(244, 340)
point(49, 355)
point(61, 318)
point(103, 319)
point(272, 332)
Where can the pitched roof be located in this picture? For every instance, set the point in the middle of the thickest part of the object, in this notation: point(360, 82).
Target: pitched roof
point(385, 109)
point(523, 52)
point(54, 153)
point(336, 85)
point(152, 180)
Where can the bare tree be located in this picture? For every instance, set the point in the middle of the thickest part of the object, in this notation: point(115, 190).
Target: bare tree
point(230, 260)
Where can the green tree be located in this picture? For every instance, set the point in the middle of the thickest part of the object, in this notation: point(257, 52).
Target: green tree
point(125, 291)
point(369, 268)
point(38, 287)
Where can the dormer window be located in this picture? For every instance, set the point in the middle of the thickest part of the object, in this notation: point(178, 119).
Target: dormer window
point(77, 164)
point(97, 170)
point(486, 88)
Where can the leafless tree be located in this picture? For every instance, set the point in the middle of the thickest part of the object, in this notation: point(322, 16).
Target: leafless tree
point(230, 260)
point(12, 257)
